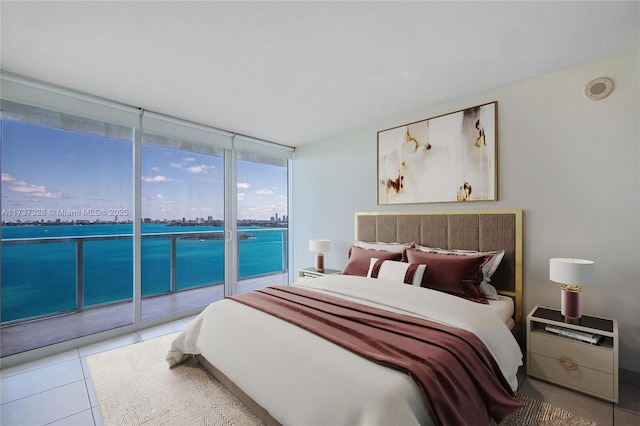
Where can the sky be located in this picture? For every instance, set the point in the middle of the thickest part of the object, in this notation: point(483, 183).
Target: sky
point(56, 174)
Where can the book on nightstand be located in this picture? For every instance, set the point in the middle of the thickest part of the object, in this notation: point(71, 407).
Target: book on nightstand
point(582, 336)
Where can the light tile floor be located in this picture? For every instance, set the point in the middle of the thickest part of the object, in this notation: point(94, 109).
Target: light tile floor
point(57, 390)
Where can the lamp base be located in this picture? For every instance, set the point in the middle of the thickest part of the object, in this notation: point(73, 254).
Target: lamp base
point(319, 262)
point(570, 303)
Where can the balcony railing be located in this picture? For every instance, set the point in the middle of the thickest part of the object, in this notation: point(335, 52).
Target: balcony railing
point(262, 252)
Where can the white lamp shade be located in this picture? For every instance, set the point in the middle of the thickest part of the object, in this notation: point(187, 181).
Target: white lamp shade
point(319, 246)
point(572, 271)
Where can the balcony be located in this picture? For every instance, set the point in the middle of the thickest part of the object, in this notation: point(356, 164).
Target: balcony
point(179, 294)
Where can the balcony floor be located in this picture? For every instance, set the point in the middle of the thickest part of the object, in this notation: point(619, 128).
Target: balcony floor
point(47, 331)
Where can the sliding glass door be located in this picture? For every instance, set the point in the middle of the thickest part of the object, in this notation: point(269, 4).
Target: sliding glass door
point(263, 221)
point(182, 205)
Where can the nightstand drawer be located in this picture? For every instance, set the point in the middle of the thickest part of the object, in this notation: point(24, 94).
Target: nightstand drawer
point(581, 378)
point(590, 356)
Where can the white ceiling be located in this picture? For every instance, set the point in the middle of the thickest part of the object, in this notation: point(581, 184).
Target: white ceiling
point(295, 72)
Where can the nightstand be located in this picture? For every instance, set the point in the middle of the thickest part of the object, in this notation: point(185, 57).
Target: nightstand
point(554, 355)
point(312, 273)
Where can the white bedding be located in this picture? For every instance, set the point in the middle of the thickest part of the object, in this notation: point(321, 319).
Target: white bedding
point(504, 308)
point(302, 379)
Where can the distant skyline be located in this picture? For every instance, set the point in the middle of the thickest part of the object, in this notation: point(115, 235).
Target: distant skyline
point(47, 172)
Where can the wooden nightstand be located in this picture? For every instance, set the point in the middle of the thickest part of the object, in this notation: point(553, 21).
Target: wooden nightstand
point(585, 367)
point(312, 273)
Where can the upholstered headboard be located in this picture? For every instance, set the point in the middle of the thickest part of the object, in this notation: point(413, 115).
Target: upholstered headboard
point(482, 230)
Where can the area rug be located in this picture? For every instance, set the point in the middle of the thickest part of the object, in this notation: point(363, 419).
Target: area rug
point(540, 413)
point(135, 386)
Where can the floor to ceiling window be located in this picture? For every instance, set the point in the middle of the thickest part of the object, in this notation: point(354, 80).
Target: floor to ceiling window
point(66, 224)
point(262, 212)
point(113, 216)
point(182, 206)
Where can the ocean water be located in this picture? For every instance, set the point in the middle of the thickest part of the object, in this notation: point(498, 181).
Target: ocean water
point(40, 279)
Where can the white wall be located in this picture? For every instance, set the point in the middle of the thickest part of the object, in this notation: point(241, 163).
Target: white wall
point(572, 164)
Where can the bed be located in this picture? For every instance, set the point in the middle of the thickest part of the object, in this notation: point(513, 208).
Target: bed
point(289, 375)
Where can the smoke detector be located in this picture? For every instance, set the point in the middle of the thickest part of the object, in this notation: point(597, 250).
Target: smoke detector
point(598, 88)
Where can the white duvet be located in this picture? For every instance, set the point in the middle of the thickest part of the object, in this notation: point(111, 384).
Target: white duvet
point(302, 379)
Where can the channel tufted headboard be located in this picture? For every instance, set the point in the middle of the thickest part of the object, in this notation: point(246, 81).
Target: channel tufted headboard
point(482, 230)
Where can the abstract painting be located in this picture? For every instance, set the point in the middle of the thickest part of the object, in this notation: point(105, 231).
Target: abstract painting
point(448, 158)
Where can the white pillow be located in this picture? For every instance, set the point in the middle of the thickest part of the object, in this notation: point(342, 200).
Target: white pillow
point(490, 291)
point(488, 268)
point(392, 247)
point(397, 271)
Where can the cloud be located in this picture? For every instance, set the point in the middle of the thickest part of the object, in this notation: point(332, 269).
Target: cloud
point(243, 185)
point(158, 178)
point(185, 165)
point(264, 192)
point(155, 169)
point(30, 190)
point(198, 169)
point(161, 198)
point(263, 211)
point(241, 196)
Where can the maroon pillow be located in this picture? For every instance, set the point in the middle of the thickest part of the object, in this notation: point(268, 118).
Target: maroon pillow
point(359, 260)
point(451, 273)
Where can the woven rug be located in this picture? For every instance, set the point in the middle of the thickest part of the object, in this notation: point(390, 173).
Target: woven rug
point(539, 413)
point(135, 386)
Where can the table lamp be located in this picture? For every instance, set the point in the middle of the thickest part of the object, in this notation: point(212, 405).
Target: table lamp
point(319, 246)
point(571, 273)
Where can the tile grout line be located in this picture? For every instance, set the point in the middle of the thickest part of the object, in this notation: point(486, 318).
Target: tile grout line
point(43, 366)
point(71, 415)
point(86, 386)
point(42, 391)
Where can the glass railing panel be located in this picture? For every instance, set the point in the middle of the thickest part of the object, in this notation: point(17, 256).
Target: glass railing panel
point(261, 251)
point(156, 264)
point(200, 260)
point(108, 270)
point(38, 280)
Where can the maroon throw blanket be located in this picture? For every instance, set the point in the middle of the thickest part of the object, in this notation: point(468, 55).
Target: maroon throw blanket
point(457, 373)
